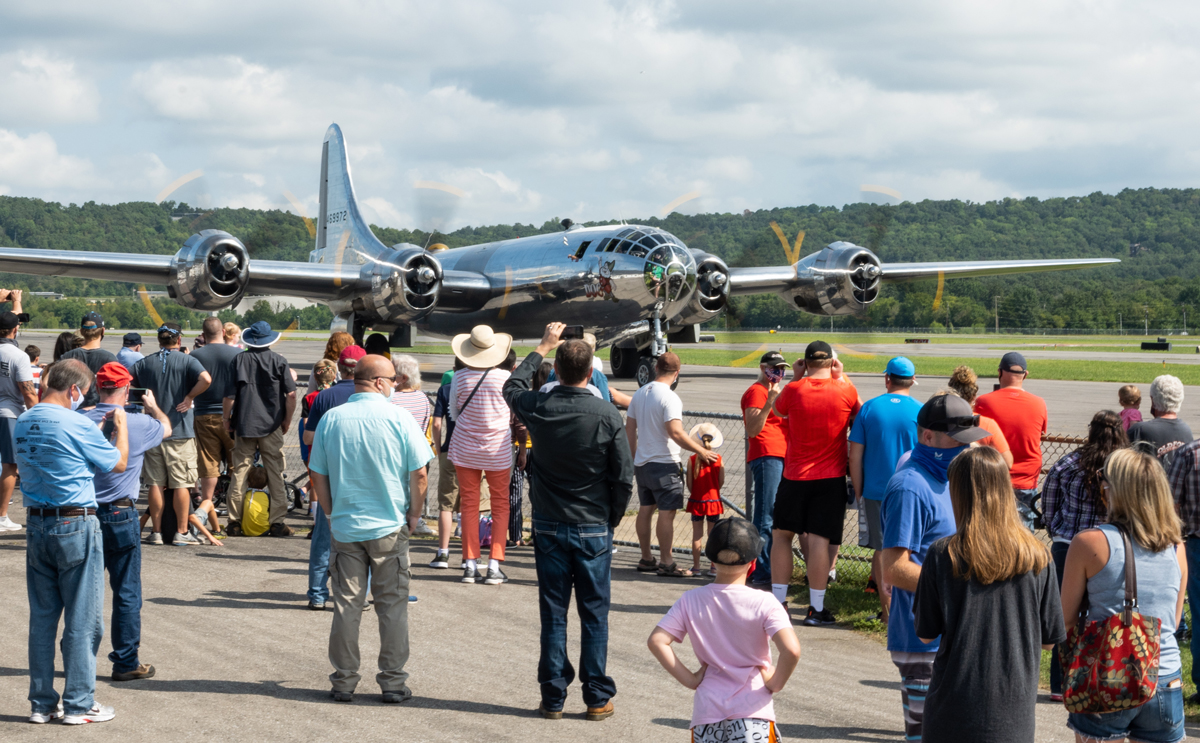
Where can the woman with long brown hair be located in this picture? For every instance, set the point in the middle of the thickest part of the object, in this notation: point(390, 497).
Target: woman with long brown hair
point(1139, 504)
point(1072, 499)
point(337, 343)
point(991, 595)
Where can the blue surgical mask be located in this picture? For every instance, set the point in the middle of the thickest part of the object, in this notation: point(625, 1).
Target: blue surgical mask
point(936, 461)
point(76, 403)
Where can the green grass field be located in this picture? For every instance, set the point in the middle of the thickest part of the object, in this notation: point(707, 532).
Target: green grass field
point(1007, 340)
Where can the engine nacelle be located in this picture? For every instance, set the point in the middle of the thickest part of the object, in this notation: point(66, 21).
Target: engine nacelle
point(712, 291)
point(210, 272)
point(403, 285)
point(840, 279)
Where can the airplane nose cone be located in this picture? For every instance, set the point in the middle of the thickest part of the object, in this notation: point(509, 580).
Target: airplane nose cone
point(229, 262)
point(426, 275)
point(719, 279)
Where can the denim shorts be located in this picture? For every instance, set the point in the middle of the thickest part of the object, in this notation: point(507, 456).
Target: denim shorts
point(1158, 721)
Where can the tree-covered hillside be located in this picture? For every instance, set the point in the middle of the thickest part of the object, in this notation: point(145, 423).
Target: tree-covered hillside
point(1154, 231)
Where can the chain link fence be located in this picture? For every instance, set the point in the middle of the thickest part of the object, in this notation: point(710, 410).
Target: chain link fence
point(854, 562)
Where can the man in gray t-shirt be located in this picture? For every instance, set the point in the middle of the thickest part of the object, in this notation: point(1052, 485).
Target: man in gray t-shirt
point(176, 380)
point(17, 393)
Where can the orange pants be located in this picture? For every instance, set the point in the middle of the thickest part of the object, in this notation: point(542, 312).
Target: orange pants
point(468, 491)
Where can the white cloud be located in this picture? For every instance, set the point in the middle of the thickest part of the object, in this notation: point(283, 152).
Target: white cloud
point(33, 166)
point(40, 88)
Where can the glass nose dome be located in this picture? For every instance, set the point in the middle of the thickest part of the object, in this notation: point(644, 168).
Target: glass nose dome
point(670, 273)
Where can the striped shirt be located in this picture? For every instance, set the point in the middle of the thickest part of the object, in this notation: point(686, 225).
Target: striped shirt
point(1068, 506)
point(415, 402)
point(482, 438)
point(1184, 475)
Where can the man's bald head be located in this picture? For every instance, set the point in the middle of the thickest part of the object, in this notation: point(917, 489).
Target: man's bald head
point(371, 366)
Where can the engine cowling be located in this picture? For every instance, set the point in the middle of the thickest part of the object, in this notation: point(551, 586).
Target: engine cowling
point(712, 291)
point(403, 285)
point(840, 279)
point(210, 272)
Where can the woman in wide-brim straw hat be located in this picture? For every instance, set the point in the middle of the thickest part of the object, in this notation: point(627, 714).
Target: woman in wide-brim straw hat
point(482, 444)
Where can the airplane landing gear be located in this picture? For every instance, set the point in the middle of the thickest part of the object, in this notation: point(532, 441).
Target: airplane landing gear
point(645, 370)
point(624, 361)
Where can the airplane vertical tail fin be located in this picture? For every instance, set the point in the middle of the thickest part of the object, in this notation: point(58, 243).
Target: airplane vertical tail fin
point(343, 236)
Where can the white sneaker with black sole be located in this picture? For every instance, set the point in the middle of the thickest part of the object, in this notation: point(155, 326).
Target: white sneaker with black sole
point(41, 718)
point(98, 713)
point(441, 561)
point(495, 577)
point(471, 576)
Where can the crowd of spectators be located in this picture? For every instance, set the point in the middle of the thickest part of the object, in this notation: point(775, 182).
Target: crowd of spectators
point(948, 492)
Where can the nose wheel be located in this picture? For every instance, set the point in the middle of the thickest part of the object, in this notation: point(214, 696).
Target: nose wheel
point(645, 370)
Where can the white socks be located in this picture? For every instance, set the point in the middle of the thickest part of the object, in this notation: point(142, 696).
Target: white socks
point(471, 564)
point(816, 599)
point(779, 590)
point(493, 565)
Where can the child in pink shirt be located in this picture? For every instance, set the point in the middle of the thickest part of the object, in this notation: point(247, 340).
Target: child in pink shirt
point(731, 626)
point(1130, 398)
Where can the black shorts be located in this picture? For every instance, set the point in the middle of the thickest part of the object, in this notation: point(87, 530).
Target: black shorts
point(812, 507)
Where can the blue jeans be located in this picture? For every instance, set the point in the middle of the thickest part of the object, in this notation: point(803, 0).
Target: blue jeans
point(64, 577)
point(1159, 720)
point(123, 561)
point(318, 559)
point(1024, 509)
point(575, 556)
point(767, 471)
point(1192, 548)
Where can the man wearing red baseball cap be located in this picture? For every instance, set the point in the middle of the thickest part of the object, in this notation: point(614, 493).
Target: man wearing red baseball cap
point(116, 501)
point(319, 547)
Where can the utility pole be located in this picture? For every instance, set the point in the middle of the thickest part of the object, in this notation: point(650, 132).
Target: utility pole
point(1147, 311)
point(996, 307)
point(1120, 329)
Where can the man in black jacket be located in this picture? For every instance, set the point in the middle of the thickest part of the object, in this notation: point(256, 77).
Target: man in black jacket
point(581, 482)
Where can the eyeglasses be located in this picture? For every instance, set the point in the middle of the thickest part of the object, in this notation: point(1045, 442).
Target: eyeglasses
point(390, 379)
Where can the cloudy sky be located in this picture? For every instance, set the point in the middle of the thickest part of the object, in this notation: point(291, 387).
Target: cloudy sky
point(594, 109)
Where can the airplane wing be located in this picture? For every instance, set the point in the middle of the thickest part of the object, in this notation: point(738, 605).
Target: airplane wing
point(768, 279)
point(316, 281)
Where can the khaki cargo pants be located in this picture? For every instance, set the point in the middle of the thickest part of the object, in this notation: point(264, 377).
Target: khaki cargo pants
point(270, 451)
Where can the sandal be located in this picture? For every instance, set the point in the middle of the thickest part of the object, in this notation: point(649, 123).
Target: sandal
point(674, 571)
point(647, 566)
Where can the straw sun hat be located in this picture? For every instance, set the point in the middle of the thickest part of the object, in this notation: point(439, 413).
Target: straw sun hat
point(482, 348)
point(702, 429)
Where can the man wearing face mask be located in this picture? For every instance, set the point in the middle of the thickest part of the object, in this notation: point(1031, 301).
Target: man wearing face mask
point(916, 512)
point(58, 454)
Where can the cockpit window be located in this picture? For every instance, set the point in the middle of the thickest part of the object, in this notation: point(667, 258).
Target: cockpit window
point(637, 250)
point(624, 232)
point(623, 247)
point(637, 236)
point(603, 244)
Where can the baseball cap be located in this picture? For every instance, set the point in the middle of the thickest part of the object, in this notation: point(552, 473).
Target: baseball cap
point(10, 320)
point(1013, 362)
point(818, 351)
point(112, 375)
point(91, 320)
point(773, 358)
point(132, 339)
point(901, 368)
point(350, 356)
point(736, 534)
point(953, 416)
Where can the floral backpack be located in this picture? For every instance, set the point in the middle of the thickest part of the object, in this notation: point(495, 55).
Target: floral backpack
point(1112, 664)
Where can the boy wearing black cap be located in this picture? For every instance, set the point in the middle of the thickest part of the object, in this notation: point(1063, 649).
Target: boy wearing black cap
point(731, 626)
point(916, 512)
point(1023, 419)
point(91, 327)
point(17, 393)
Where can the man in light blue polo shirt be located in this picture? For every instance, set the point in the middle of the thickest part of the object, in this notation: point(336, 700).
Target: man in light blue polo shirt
point(885, 428)
point(58, 454)
point(368, 470)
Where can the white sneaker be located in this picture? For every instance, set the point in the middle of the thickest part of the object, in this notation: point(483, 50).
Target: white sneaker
point(155, 538)
point(423, 529)
point(185, 540)
point(41, 718)
point(98, 713)
point(7, 524)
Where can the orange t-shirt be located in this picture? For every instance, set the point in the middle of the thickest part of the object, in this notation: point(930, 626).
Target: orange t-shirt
point(818, 413)
point(1022, 417)
point(770, 442)
point(996, 440)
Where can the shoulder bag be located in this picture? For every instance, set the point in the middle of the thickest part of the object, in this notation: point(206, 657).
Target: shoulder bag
point(1111, 664)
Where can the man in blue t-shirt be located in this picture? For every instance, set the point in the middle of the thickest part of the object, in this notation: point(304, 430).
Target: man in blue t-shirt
point(58, 454)
point(885, 428)
point(116, 498)
point(916, 513)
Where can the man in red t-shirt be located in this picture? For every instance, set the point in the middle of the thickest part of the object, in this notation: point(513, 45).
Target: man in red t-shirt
point(765, 449)
point(812, 496)
point(1022, 419)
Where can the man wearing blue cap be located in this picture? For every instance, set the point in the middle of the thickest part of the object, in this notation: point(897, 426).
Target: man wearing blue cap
point(260, 401)
point(131, 350)
point(884, 429)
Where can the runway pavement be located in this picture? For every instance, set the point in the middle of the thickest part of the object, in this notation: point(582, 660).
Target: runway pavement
point(241, 658)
